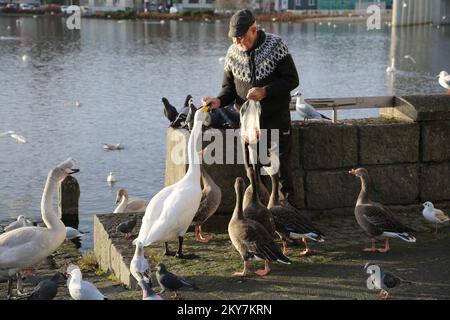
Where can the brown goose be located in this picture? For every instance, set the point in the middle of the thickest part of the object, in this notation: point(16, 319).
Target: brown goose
point(251, 239)
point(211, 197)
point(374, 218)
point(263, 192)
point(255, 210)
point(289, 222)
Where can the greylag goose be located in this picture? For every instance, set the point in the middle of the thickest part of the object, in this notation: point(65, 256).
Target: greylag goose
point(211, 197)
point(126, 203)
point(434, 215)
point(255, 210)
point(374, 218)
point(251, 239)
point(169, 281)
point(171, 210)
point(23, 248)
point(263, 193)
point(382, 280)
point(289, 222)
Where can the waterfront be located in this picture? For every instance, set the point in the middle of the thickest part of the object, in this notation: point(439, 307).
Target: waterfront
point(120, 70)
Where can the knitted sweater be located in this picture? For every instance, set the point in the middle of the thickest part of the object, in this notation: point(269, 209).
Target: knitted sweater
point(268, 65)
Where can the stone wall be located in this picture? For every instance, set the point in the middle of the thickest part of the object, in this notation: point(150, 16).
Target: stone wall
point(406, 151)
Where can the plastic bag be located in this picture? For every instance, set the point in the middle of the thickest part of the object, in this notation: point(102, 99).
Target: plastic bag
point(249, 114)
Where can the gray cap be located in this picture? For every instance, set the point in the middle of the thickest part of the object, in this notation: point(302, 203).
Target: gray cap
point(240, 22)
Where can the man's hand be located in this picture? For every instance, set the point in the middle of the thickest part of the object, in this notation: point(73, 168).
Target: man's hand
point(256, 94)
point(213, 102)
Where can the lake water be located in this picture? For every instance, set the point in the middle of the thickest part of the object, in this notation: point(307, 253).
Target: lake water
point(120, 70)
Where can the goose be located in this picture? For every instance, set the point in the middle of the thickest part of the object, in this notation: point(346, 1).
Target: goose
point(170, 112)
point(46, 289)
point(431, 214)
point(306, 110)
point(111, 178)
point(382, 280)
point(375, 219)
point(263, 193)
point(256, 210)
point(251, 239)
point(112, 147)
point(391, 69)
point(139, 266)
point(289, 222)
point(147, 291)
point(444, 80)
point(129, 204)
point(72, 233)
point(21, 222)
point(171, 210)
point(80, 289)
point(25, 247)
point(211, 198)
point(169, 281)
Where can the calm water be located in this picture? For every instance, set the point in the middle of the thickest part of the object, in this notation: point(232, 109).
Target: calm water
point(120, 71)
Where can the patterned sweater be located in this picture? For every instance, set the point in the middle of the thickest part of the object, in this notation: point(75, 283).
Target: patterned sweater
point(268, 65)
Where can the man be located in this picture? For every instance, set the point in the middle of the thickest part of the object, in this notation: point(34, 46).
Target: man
point(258, 66)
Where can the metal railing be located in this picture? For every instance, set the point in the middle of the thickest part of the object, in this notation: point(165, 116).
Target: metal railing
point(349, 103)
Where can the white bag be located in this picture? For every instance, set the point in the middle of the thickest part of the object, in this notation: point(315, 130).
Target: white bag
point(249, 114)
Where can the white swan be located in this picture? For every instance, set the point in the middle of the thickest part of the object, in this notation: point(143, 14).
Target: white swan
point(111, 178)
point(25, 247)
point(80, 289)
point(21, 221)
point(171, 210)
point(129, 204)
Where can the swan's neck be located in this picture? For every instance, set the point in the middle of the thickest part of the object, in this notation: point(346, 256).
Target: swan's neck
point(254, 183)
point(237, 213)
point(364, 193)
point(49, 217)
point(274, 196)
point(193, 156)
point(122, 204)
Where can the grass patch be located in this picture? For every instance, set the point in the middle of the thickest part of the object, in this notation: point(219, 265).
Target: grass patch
point(88, 262)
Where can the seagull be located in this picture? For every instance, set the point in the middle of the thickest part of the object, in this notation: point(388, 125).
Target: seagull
point(306, 110)
point(77, 103)
point(72, 233)
point(17, 137)
point(434, 215)
point(111, 147)
point(46, 289)
point(127, 227)
point(169, 281)
point(21, 221)
point(410, 58)
point(444, 80)
point(391, 68)
point(80, 289)
point(382, 280)
point(111, 178)
point(139, 266)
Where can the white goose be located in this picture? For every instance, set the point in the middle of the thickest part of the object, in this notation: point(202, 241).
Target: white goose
point(25, 247)
point(129, 204)
point(171, 210)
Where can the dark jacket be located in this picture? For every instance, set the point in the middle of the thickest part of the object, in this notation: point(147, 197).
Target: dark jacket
point(268, 65)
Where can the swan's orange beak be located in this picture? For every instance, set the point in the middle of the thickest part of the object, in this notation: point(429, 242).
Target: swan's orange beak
point(352, 172)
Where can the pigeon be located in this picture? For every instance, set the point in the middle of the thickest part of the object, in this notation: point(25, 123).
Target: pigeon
point(444, 80)
point(170, 281)
point(139, 266)
point(46, 289)
point(434, 215)
point(180, 121)
point(127, 227)
point(72, 233)
point(307, 111)
point(382, 280)
point(147, 291)
point(80, 289)
point(170, 112)
point(190, 115)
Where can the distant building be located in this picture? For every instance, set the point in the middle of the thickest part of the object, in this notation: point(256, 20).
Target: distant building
point(350, 4)
point(194, 4)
